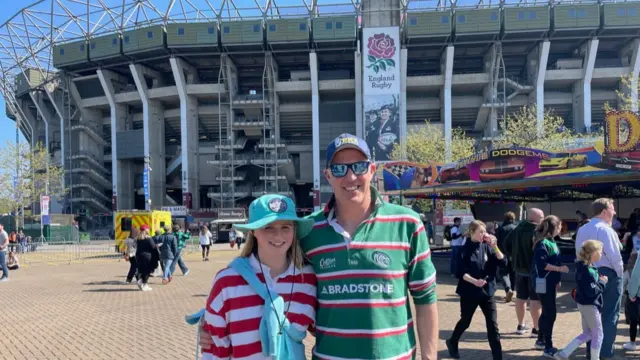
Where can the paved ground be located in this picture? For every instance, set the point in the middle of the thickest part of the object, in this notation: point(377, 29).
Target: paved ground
point(85, 311)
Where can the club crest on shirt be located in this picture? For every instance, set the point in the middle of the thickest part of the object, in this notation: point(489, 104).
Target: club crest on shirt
point(277, 205)
point(381, 259)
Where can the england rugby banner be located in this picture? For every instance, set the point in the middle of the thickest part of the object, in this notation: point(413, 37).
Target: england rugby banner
point(381, 90)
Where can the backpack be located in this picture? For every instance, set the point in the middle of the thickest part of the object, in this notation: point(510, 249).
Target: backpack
point(447, 232)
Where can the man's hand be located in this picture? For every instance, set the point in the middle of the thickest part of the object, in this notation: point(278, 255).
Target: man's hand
point(633, 299)
point(479, 283)
point(604, 278)
point(564, 269)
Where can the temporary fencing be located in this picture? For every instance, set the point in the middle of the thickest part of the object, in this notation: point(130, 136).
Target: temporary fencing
point(61, 251)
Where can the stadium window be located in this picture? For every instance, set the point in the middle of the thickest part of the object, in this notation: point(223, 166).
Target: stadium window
point(114, 41)
point(622, 12)
point(93, 46)
point(532, 15)
point(413, 21)
point(581, 13)
point(180, 31)
point(631, 12)
point(211, 30)
point(125, 224)
point(572, 13)
point(329, 26)
point(150, 34)
point(272, 27)
point(461, 19)
point(520, 15)
point(227, 30)
point(126, 39)
point(81, 48)
point(494, 16)
point(338, 24)
point(444, 19)
point(256, 28)
point(62, 52)
point(303, 27)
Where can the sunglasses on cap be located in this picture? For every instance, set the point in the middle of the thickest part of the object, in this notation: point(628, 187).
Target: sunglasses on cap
point(359, 168)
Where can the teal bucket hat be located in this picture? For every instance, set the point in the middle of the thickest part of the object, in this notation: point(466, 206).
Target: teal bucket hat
point(272, 207)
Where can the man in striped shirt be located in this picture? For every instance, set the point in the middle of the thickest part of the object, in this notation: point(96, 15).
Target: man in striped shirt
point(368, 255)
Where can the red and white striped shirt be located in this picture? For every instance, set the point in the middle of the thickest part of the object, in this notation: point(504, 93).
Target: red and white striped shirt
point(234, 309)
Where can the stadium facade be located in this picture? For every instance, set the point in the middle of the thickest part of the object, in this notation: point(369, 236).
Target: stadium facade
point(212, 107)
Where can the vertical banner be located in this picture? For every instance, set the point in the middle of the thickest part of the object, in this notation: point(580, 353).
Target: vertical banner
point(381, 90)
point(44, 204)
point(145, 185)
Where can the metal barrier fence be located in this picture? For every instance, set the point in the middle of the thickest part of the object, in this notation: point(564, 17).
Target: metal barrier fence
point(62, 251)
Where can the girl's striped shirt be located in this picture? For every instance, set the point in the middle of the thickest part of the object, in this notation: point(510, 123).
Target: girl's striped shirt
point(234, 309)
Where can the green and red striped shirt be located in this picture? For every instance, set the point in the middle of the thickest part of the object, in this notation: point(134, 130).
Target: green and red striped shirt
point(364, 283)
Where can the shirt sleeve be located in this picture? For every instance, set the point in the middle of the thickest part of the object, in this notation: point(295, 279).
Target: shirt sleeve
point(611, 249)
point(215, 322)
point(422, 273)
point(633, 286)
point(464, 262)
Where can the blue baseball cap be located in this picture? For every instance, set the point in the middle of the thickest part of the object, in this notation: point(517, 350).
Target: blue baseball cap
point(347, 141)
point(272, 207)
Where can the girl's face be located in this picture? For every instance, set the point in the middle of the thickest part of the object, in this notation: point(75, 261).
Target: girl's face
point(557, 232)
point(275, 239)
point(595, 257)
point(479, 234)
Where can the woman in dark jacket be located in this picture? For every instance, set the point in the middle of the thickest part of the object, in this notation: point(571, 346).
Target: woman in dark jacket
point(477, 285)
point(146, 256)
point(547, 265)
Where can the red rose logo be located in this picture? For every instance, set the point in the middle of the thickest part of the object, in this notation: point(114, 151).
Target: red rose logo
point(381, 50)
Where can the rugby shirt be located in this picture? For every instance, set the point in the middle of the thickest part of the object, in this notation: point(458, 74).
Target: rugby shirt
point(363, 310)
point(233, 310)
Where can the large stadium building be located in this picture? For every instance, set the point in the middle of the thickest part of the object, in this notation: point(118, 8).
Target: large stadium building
point(221, 105)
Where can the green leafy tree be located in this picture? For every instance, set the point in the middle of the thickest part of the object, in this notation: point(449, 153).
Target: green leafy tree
point(521, 129)
point(26, 174)
point(426, 144)
point(625, 100)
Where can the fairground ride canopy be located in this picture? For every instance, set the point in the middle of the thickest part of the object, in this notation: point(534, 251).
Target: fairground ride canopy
point(608, 168)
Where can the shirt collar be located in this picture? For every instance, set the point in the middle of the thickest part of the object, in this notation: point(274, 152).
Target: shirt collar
point(330, 207)
point(255, 264)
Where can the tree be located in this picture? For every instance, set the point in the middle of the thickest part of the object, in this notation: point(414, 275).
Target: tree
point(625, 100)
point(426, 144)
point(26, 174)
point(521, 129)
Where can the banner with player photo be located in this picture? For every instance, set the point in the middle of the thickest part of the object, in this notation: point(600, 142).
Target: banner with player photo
point(381, 90)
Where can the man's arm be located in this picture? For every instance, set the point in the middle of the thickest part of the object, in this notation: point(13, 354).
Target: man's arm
point(611, 249)
point(427, 323)
point(422, 286)
point(5, 243)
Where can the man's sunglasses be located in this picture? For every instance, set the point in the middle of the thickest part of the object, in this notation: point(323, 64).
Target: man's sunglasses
point(358, 168)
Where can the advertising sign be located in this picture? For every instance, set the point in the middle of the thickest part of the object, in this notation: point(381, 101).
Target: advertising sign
point(622, 140)
point(233, 213)
point(44, 205)
point(381, 90)
point(145, 183)
point(402, 175)
point(175, 210)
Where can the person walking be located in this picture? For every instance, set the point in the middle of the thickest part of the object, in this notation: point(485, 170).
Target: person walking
point(590, 285)
point(457, 241)
point(610, 265)
point(506, 275)
point(130, 246)
point(547, 268)
point(477, 271)
point(519, 247)
point(279, 291)
point(4, 244)
point(168, 251)
point(146, 257)
point(182, 237)
point(632, 311)
point(205, 242)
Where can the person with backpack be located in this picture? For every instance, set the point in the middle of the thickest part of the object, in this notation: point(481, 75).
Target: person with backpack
point(280, 291)
point(590, 285)
point(182, 237)
point(168, 251)
point(454, 236)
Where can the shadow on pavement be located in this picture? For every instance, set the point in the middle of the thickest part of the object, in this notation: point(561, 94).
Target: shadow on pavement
point(110, 290)
point(107, 282)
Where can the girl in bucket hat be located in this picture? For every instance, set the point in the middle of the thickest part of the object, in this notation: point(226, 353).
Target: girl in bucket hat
point(273, 284)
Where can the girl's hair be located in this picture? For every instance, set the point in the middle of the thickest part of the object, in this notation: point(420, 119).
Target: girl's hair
point(632, 261)
point(204, 230)
point(294, 253)
point(475, 225)
point(589, 248)
point(143, 235)
point(548, 228)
